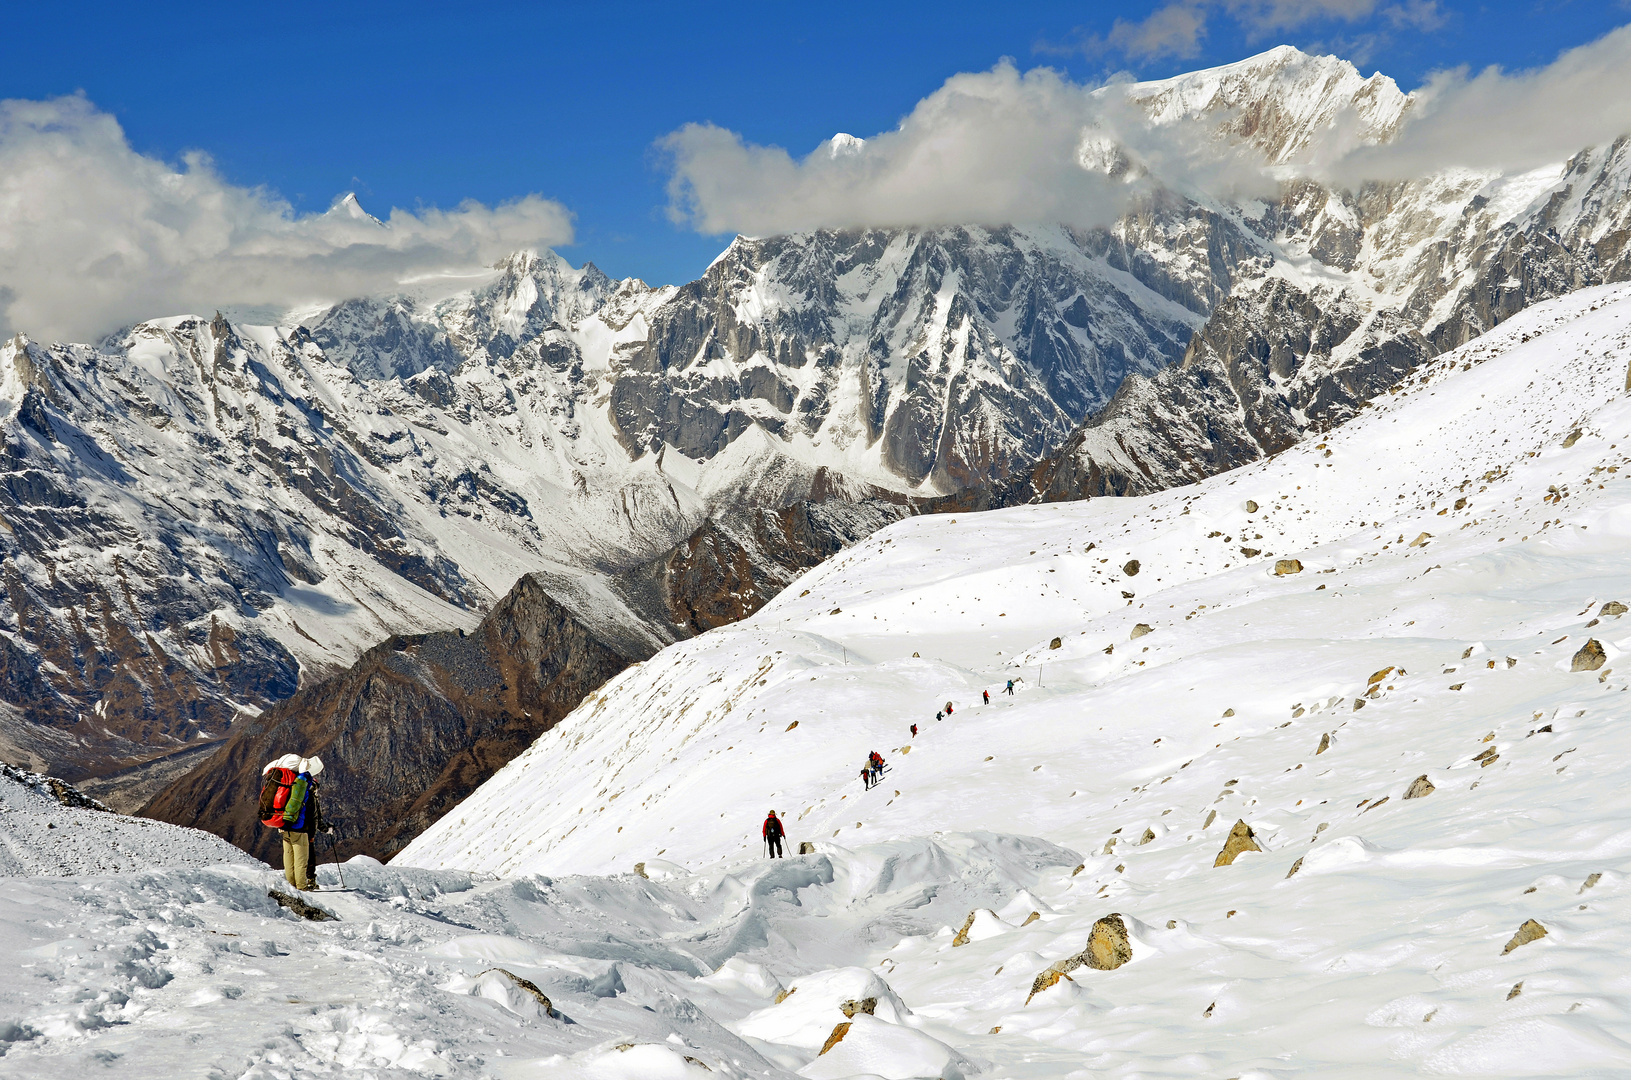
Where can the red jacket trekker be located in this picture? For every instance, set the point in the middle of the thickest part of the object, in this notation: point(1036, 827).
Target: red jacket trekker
point(773, 833)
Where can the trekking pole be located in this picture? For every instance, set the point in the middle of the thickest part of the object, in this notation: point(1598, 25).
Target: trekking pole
point(334, 850)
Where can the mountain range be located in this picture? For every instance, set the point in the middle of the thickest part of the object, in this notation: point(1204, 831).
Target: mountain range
point(209, 526)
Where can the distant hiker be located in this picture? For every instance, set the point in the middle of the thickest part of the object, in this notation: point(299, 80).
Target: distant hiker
point(1010, 689)
point(773, 833)
point(914, 729)
point(288, 803)
point(948, 708)
point(939, 716)
point(875, 760)
point(986, 694)
point(866, 777)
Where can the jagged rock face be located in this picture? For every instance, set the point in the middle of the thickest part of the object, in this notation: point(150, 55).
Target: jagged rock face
point(412, 728)
point(953, 355)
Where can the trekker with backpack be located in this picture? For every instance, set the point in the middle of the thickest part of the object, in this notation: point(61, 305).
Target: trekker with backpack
point(866, 777)
point(1010, 689)
point(987, 695)
point(773, 833)
point(914, 729)
point(288, 803)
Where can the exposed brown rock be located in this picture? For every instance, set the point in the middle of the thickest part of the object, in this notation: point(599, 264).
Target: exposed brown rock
point(299, 906)
point(1613, 607)
point(1241, 839)
point(413, 727)
point(1591, 880)
point(1325, 744)
point(1131, 569)
point(1282, 567)
point(1107, 948)
point(1378, 676)
point(1296, 866)
point(1517, 988)
point(1571, 438)
point(836, 1037)
point(1031, 918)
point(1590, 657)
point(859, 1005)
point(1055, 643)
point(1140, 630)
point(1529, 931)
point(1251, 507)
point(806, 847)
point(1421, 540)
point(529, 987)
point(1419, 788)
point(961, 937)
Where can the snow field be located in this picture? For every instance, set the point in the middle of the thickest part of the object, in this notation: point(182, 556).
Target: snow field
point(1382, 955)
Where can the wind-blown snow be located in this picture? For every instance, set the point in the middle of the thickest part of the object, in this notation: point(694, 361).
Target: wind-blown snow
point(1107, 783)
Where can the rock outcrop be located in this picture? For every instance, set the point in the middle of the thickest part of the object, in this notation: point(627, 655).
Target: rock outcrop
point(1590, 657)
point(414, 726)
point(1108, 947)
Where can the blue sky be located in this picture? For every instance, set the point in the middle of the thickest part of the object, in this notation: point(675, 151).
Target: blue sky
point(417, 105)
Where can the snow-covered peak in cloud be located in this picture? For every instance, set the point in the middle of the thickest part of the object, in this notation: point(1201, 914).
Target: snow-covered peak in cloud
point(95, 235)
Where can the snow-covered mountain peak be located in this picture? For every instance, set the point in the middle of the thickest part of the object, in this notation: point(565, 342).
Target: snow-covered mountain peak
point(349, 208)
point(1280, 101)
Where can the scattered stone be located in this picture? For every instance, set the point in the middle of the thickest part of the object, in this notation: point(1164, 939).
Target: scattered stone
point(1420, 788)
point(806, 847)
point(1055, 643)
point(1211, 816)
point(1529, 931)
point(1251, 507)
point(1461, 504)
point(699, 1062)
point(1457, 686)
point(1591, 880)
point(1031, 918)
point(1048, 978)
point(1375, 804)
point(1209, 1009)
point(300, 907)
point(996, 1030)
point(1079, 868)
point(917, 656)
point(1109, 847)
point(1590, 657)
point(859, 1005)
point(1487, 758)
point(785, 994)
point(1251, 553)
point(961, 937)
point(836, 1037)
point(1517, 988)
point(1228, 712)
point(1172, 924)
point(1282, 567)
point(1141, 629)
point(640, 869)
point(1421, 541)
point(1149, 834)
point(1359, 703)
point(1378, 676)
point(1121, 868)
point(1296, 866)
point(1572, 438)
point(1131, 569)
point(1613, 607)
point(1325, 744)
point(793, 725)
point(835, 611)
point(1241, 839)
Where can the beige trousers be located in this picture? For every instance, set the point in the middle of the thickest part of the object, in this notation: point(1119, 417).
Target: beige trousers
point(297, 860)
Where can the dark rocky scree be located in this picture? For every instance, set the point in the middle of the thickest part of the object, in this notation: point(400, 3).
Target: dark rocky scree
point(411, 729)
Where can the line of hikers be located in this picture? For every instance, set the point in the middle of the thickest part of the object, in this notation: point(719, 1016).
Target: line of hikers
point(871, 773)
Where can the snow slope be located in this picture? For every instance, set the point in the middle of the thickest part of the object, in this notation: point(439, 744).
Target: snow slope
point(1455, 555)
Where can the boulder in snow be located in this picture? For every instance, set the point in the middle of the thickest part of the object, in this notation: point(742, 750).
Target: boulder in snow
point(1613, 607)
point(1282, 567)
point(1140, 630)
point(1529, 931)
point(1241, 839)
point(1419, 788)
point(1131, 569)
point(1590, 657)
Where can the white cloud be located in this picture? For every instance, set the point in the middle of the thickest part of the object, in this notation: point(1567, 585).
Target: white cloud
point(94, 235)
point(996, 147)
point(1005, 147)
point(1509, 120)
